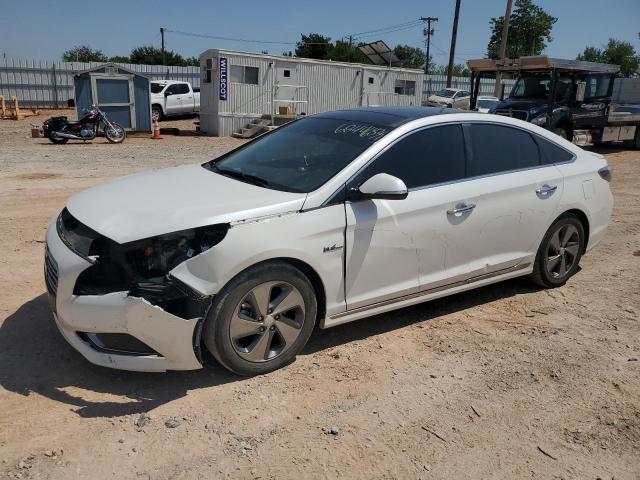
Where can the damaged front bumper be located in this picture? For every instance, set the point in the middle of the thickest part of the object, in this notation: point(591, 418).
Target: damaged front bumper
point(168, 342)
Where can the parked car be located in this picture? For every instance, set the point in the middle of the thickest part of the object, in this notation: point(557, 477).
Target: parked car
point(169, 97)
point(328, 219)
point(450, 97)
point(486, 103)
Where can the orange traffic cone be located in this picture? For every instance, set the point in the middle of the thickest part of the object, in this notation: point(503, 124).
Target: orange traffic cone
point(156, 130)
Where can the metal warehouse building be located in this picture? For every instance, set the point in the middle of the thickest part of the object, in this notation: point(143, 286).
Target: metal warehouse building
point(243, 93)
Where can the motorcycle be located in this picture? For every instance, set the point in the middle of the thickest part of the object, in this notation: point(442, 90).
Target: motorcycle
point(60, 129)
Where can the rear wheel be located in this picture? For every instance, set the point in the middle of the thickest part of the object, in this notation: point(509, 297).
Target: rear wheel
point(54, 138)
point(262, 319)
point(559, 254)
point(636, 139)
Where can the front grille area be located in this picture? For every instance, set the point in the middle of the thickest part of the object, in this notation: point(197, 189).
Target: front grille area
point(519, 114)
point(50, 274)
point(116, 343)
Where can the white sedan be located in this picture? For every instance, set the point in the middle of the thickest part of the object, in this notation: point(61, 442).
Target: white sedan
point(326, 220)
point(485, 103)
point(450, 98)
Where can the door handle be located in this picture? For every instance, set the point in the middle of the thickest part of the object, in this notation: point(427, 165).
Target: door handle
point(546, 190)
point(461, 208)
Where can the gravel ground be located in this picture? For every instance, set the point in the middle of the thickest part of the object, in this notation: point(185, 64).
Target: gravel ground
point(507, 381)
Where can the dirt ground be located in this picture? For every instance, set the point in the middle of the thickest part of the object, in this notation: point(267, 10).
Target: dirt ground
point(508, 381)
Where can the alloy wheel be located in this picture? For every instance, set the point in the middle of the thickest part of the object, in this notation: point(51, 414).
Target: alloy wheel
point(562, 251)
point(267, 321)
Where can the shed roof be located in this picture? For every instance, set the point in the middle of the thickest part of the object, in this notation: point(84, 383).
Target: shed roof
point(110, 64)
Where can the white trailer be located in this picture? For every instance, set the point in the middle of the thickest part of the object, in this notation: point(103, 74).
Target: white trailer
point(245, 93)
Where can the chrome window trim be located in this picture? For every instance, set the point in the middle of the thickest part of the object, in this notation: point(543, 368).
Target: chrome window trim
point(534, 135)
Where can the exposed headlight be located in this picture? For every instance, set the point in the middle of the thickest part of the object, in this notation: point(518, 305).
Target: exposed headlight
point(141, 266)
point(540, 120)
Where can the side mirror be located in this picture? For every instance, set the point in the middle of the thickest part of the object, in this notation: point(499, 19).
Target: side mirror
point(381, 186)
point(581, 87)
point(167, 93)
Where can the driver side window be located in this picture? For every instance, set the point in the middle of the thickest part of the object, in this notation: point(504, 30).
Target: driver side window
point(427, 157)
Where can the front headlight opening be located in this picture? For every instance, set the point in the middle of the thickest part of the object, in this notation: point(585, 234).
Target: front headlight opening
point(142, 267)
point(540, 120)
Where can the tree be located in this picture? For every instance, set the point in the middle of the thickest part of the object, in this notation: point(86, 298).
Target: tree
point(120, 59)
point(342, 51)
point(153, 56)
point(314, 45)
point(411, 57)
point(83, 53)
point(192, 62)
point(459, 70)
point(530, 26)
point(616, 52)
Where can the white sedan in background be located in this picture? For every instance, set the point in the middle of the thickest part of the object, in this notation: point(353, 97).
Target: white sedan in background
point(485, 103)
point(328, 219)
point(450, 98)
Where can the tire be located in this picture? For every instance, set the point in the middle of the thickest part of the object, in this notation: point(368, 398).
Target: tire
point(561, 132)
point(156, 113)
point(57, 140)
point(560, 252)
point(636, 139)
point(246, 329)
point(115, 134)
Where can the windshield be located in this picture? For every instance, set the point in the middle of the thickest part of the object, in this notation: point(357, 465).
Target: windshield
point(538, 87)
point(300, 156)
point(156, 87)
point(531, 86)
point(445, 93)
point(484, 103)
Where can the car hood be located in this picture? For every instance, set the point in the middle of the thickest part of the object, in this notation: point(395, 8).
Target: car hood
point(436, 98)
point(521, 105)
point(153, 203)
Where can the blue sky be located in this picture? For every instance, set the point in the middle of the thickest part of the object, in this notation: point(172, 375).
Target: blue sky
point(42, 30)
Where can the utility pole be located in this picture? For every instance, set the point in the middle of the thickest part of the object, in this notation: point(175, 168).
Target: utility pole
point(427, 33)
point(163, 55)
point(350, 46)
point(452, 50)
point(503, 45)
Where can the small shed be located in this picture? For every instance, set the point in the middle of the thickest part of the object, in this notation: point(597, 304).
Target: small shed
point(119, 92)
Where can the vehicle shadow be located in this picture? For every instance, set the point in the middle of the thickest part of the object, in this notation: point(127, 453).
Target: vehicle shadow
point(422, 312)
point(34, 357)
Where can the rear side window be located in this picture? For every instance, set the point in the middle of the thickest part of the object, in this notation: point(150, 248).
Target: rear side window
point(427, 157)
point(552, 153)
point(497, 148)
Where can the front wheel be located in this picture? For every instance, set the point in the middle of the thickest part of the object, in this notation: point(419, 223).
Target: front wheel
point(561, 132)
point(262, 319)
point(115, 133)
point(156, 113)
point(560, 252)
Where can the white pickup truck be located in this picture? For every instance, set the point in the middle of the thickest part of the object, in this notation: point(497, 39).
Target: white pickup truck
point(170, 97)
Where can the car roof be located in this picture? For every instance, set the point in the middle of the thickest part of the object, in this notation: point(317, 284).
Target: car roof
point(391, 117)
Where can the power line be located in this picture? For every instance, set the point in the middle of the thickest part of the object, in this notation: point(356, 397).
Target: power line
point(382, 29)
point(379, 31)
